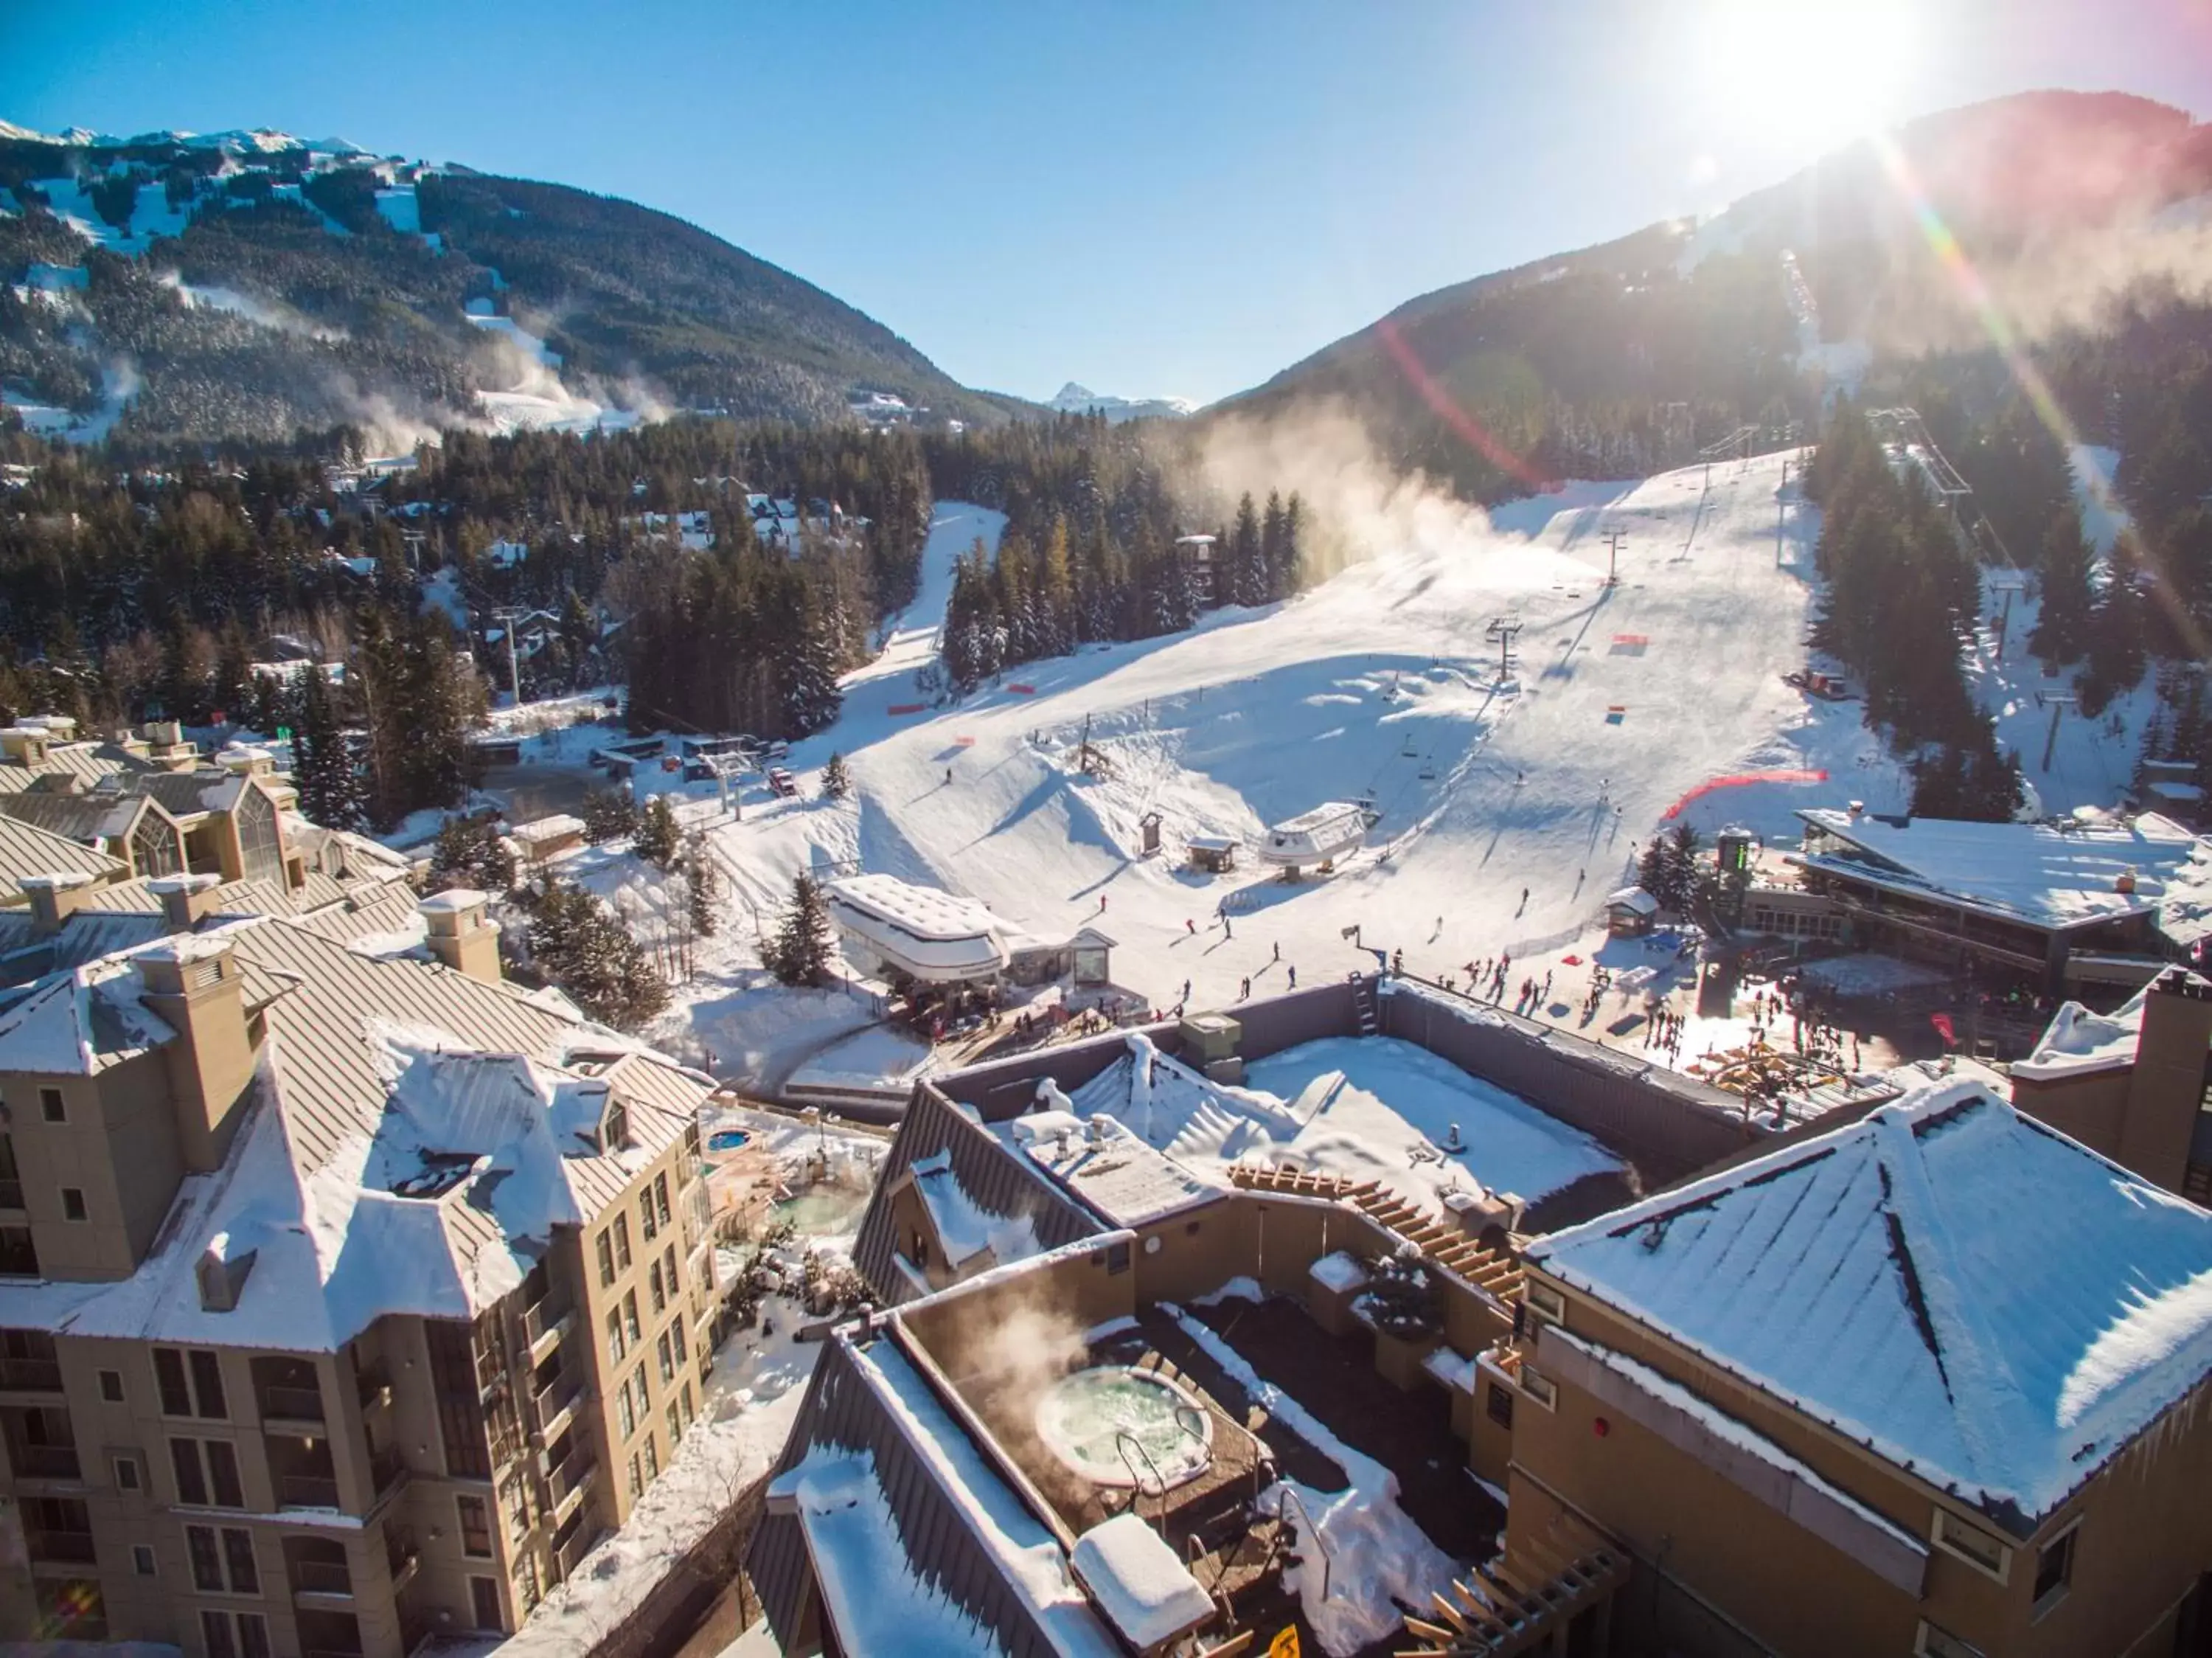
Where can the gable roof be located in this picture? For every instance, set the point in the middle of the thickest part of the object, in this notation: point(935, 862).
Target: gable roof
point(28, 850)
point(1972, 1295)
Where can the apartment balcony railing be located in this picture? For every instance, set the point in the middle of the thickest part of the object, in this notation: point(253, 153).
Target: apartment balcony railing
point(43, 1461)
point(292, 1403)
point(543, 1325)
point(387, 1471)
point(570, 1555)
point(374, 1385)
point(306, 1491)
point(406, 1560)
point(569, 1480)
point(30, 1376)
point(60, 1548)
point(326, 1578)
point(554, 1405)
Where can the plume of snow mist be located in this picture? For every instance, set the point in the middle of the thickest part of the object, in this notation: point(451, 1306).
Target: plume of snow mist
point(1354, 501)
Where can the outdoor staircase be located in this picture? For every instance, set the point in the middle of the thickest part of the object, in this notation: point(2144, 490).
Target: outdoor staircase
point(1363, 1004)
point(1492, 1272)
point(1507, 1610)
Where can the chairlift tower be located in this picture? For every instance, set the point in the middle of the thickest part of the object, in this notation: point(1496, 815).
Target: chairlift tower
point(2008, 583)
point(1612, 539)
point(1503, 630)
point(2058, 701)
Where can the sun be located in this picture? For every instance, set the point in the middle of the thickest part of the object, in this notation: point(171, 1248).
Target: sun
point(1784, 74)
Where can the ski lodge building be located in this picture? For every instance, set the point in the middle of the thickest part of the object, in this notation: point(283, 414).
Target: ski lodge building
point(1920, 1375)
point(348, 1292)
point(2070, 907)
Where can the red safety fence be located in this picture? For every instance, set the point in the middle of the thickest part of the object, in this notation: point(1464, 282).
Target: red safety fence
point(1744, 780)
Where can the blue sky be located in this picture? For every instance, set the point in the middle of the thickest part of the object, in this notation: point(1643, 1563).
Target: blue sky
point(1147, 198)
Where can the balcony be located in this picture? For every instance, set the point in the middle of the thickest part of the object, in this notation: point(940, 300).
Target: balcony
point(21, 1376)
point(555, 1405)
point(373, 1386)
point(387, 1472)
point(542, 1327)
point(570, 1555)
point(570, 1481)
point(285, 1407)
point(59, 1548)
point(306, 1491)
point(43, 1461)
point(316, 1581)
point(405, 1558)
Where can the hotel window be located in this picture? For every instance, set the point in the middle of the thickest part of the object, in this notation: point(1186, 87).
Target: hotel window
point(625, 1412)
point(616, 1350)
point(658, 1285)
point(675, 1338)
point(222, 1564)
point(621, 1243)
point(207, 1473)
point(1539, 1386)
point(51, 1106)
point(667, 1359)
point(1499, 1401)
point(111, 1386)
point(234, 1634)
point(483, 1603)
point(142, 1559)
point(636, 1479)
point(476, 1526)
point(1545, 1302)
point(126, 1473)
point(73, 1207)
point(2054, 1568)
point(1971, 1544)
point(660, 1198)
point(652, 1458)
point(606, 1251)
point(204, 1395)
point(645, 1216)
point(629, 1316)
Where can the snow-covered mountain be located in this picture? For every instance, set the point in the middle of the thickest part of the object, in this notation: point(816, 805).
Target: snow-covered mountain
point(1081, 399)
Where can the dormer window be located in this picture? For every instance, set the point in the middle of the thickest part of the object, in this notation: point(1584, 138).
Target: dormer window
point(614, 1127)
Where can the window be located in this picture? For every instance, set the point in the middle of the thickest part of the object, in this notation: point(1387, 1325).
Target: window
point(73, 1207)
point(658, 1286)
point(614, 1128)
point(675, 1425)
point(223, 1563)
point(668, 1261)
point(1117, 1258)
point(625, 1412)
point(2054, 1568)
point(142, 1559)
point(111, 1386)
point(660, 1198)
point(483, 1603)
point(126, 1474)
point(629, 1316)
point(1933, 1642)
point(636, 1476)
point(207, 1473)
point(614, 1349)
point(234, 1634)
point(644, 1397)
point(1971, 1544)
point(1500, 1404)
point(644, 1222)
point(687, 1402)
point(204, 1397)
point(1545, 1302)
point(621, 1243)
point(605, 1245)
point(51, 1106)
point(1539, 1386)
point(661, 1351)
point(651, 1459)
point(514, 1502)
point(475, 1527)
point(675, 1340)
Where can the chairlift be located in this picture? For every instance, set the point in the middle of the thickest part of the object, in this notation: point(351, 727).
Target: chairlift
point(1428, 772)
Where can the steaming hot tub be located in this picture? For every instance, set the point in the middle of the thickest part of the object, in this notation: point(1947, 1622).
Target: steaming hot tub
point(1118, 1425)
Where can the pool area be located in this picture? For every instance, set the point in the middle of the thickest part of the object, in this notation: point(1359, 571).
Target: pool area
point(1119, 1426)
point(727, 1139)
point(820, 1210)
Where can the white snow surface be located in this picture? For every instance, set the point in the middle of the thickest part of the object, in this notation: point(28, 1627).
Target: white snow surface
point(2079, 1043)
point(1358, 1107)
point(1890, 1280)
point(1145, 1591)
point(1376, 1556)
point(964, 1228)
point(1072, 399)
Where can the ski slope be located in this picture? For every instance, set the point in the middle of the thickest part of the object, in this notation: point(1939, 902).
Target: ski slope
point(1381, 683)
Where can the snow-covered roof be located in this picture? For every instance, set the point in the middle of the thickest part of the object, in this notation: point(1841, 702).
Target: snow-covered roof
point(965, 1229)
point(2051, 875)
point(1974, 1297)
point(1137, 1580)
point(1633, 899)
point(2079, 1043)
point(1127, 1181)
point(928, 932)
point(559, 827)
point(1326, 830)
point(412, 1139)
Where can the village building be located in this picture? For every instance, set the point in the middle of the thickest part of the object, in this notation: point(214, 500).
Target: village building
point(349, 1294)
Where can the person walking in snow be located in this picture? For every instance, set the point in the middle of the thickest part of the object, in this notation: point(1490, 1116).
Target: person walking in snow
point(1294, 976)
point(948, 776)
point(1244, 990)
point(1190, 926)
point(1278, 951)
point(1102, 904)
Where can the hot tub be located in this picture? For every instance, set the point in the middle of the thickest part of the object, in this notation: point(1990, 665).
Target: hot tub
point(1118, 1425)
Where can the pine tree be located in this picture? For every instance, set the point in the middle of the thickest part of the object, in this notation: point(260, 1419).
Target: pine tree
point(656, 839)
point(2062, 623)
point(609, 814)
point(325, 767)
point(471, 852)
point(836, 782)
point(800, 953)
point(705, 885)
point(577, 943)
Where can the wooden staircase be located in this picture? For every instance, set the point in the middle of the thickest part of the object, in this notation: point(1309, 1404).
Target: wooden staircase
point(1507, 1610)
point(1363, 1003)
point(1493, 1271)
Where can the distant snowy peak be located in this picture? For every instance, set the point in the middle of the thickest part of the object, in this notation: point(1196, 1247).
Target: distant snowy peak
point(259, 141)
point(1081, 399)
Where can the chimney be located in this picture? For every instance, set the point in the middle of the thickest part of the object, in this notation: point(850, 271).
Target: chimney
point(191, 982)
point(185, 899)
point(24, 745)
point(460, 934)
point(2166, 1090)
point(54, 899)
